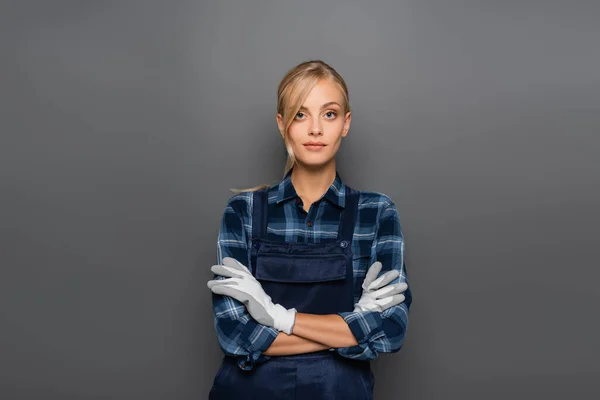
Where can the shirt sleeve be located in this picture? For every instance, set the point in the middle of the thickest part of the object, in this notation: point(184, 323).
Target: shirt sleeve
point(239, 335)
point(382, 331)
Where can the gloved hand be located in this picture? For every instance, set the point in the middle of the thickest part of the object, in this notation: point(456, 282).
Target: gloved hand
point(378, 295)
point(243, 286)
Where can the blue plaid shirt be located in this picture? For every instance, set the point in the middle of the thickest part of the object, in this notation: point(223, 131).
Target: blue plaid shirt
point(377, 237)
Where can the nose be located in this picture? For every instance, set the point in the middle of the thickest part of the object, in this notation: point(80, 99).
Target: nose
point(315, 126)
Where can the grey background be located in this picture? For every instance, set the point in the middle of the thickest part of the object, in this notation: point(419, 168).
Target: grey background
point(124, 124)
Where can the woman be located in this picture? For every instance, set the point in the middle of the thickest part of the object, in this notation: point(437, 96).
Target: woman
point(299, 307)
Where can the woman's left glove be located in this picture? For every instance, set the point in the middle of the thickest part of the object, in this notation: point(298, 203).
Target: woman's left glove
point(378, 294)
point(243, 286)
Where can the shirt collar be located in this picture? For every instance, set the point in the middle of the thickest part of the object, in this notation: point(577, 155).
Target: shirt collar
point(335, 194)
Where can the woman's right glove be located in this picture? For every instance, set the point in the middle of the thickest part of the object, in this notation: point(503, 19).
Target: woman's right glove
point(243, 286)
point(378, 295)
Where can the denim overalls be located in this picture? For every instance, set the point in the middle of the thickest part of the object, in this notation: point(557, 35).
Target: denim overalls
point(314, 278)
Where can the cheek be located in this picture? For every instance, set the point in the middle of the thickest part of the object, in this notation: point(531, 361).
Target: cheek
point(334, 128)
point(294, 133)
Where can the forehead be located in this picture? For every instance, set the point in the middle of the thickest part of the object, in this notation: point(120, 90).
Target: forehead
point(323, 92)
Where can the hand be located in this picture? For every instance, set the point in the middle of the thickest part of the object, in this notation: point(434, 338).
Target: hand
point(243, 286)
point(377, 294)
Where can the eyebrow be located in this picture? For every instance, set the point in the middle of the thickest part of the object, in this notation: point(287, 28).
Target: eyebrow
point(331, 103)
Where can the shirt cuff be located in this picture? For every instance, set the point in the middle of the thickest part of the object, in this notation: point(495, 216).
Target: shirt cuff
point(260, 340)
point(365, 326)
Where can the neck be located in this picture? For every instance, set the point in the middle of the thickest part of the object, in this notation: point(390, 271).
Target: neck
point(313, 183)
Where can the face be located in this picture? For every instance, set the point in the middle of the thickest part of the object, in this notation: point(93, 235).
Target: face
point(318, 127)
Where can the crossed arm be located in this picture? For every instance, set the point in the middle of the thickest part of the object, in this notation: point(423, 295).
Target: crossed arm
point(330, 330)
point(313, 333)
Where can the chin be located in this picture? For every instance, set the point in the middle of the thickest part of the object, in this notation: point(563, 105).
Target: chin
point(313, 163)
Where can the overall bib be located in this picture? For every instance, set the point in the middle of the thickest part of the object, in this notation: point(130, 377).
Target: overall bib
point(314, 278)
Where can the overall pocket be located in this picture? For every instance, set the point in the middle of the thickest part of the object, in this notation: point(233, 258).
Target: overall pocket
point(301, 269)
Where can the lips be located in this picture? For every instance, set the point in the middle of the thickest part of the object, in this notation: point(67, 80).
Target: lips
point(314, 144)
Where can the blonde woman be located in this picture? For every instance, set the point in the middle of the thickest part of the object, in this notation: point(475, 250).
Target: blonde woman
point(300, 307)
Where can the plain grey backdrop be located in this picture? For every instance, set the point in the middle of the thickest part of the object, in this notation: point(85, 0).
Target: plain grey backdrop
point(124, 124)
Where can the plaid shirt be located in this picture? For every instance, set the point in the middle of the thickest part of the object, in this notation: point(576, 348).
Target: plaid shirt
point(377, 237)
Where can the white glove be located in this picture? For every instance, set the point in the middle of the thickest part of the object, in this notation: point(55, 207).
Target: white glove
point(243, 286)
point(377, 294)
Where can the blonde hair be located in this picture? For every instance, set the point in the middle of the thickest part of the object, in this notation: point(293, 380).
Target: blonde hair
point(291, 93)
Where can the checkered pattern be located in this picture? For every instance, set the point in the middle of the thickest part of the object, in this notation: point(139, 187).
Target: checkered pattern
point(377, 237)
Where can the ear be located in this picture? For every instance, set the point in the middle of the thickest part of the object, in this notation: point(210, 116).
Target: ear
point(280, 124)
point(347, 121)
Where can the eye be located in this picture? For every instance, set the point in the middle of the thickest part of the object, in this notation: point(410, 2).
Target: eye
point(331, 114)
point(299, 115)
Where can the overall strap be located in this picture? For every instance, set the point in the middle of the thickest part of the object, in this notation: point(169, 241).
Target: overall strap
point(348, 217)
point(260, 202)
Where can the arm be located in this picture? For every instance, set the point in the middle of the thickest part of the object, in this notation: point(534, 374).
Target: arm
point(287, 345)
point(313, 333)
point(239, 335)
point(330, 330)
point(382, 331)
